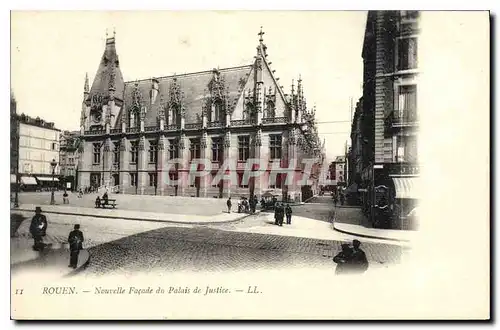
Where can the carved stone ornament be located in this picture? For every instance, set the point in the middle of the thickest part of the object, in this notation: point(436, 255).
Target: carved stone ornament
point(204, 140)
point(176, 98)
point(143, 113)
point(258, 63)
point(258, 138)
point(182, 143)
point(123, 144)
point(142, 142)
point(161, 110)
point(292, 139)
point(137, 99)
point(161, 143)
point(106, 146)
point(227, 140)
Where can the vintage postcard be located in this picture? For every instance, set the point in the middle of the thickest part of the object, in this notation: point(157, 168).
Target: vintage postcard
point(250, 165)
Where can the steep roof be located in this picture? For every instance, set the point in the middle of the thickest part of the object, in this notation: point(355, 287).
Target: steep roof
point(193, 85)
point(108, 73)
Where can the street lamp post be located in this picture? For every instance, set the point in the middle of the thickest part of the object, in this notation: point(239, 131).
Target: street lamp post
point(53, 164)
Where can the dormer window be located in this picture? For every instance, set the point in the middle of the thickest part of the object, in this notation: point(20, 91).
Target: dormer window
point(270, 109)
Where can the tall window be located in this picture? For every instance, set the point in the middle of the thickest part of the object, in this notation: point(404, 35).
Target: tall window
point(275, 146)
point(134, 151)
point(173, 149)
point(242, 184)
point(152, 179)
point(194, 148)
point(243, 147)
point(277, 183)
point(153, 151)
point(270, 112)
point(134, 119)
point(116, 153)
point(97, 153)
point(407, 53)
point(133, 179)
point(407, 100)
point(406, 149)
point(217, 149)
point(218, 112)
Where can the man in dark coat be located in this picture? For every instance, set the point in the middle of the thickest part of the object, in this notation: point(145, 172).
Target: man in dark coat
point(276, 213)
point(38, 228)
point(288, 211)
point(229, 204)
point(281, 214)
point(359, 263)
point(342, 259)
point(75, 240)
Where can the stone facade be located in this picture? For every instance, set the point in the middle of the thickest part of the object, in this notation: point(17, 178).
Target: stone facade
point(385, 125)
point(133, 131)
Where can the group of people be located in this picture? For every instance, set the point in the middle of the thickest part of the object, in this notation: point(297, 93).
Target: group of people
point(98, 199)
point(280, 211)
point(38, 229)
point(351, 259)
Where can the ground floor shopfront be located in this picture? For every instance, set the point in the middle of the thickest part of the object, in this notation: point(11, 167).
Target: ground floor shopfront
point(389, 194)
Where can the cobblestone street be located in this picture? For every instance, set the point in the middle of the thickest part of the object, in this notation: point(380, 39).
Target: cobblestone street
point(131, 247)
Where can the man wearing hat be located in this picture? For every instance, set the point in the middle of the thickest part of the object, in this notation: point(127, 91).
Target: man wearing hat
point(75, 240)
point(343, 259)
point(38, 228)
point(359, 261)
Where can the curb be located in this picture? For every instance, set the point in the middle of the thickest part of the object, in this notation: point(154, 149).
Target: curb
point(139, 219)
point(369, 236)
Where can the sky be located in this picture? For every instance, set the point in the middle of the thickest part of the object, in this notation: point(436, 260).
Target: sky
point(52, 51)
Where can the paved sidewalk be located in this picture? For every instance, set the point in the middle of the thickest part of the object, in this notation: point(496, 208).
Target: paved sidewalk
point(352, 221)
point(136, 215)
point(304, 227)
point(54, 260)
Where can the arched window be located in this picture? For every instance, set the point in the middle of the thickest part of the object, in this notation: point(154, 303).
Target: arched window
point(270, 109)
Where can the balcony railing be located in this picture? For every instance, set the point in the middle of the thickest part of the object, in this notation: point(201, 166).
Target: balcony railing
point(276, 120)
point(193, 126)
point(243, 122)
point(172, 127)
point(404, 118)
point(150, 129)
point(95, 132)
point(133, 129)
point(115, 130)
point(215, 124)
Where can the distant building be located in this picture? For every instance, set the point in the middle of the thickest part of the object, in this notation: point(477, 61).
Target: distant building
point(132, 130)
point(68, 157)
point(38, 147)
point(385, 125)
point(14, 140)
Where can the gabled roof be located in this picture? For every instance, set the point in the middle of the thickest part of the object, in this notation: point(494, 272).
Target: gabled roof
point(193, 85)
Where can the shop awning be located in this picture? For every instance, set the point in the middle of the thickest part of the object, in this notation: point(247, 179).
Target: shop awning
point(28, 180)
point(47, 179)
point(406, 187)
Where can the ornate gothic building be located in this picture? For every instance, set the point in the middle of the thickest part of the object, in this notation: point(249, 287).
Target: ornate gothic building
point(131, 130)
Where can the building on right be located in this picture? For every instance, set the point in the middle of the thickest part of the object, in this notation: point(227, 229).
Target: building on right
point(384, 152)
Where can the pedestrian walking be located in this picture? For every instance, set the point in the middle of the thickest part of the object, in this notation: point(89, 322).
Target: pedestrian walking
point(281, 214)
point(97, 202)
point(65, 197)
point(38, 229)
point(229, 204)
point(342, 260)
point(80, 193)
point(276, 213)
point(288, 212)
point(75, 240)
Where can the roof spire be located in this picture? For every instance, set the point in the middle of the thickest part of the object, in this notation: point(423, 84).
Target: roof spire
point(260, 34)
point(86, 86)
